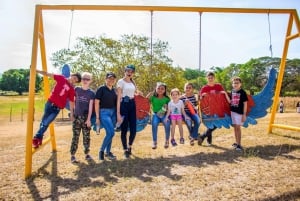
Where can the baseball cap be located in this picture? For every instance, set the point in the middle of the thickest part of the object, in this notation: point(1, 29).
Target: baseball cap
point(111, 74)
point(130, 67)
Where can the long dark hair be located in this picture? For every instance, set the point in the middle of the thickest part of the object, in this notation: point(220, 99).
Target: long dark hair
point(158, 85)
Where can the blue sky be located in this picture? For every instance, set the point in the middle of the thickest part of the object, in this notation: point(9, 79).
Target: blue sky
point(226, 38)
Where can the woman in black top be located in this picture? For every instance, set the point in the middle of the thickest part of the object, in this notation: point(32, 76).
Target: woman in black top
point(106, 108)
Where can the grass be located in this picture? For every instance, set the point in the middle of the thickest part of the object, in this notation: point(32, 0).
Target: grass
point(268, 170)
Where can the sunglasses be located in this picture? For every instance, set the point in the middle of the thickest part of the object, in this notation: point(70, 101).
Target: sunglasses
point(86, 79)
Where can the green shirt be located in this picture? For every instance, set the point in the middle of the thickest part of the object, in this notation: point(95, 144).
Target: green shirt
point(158, 103)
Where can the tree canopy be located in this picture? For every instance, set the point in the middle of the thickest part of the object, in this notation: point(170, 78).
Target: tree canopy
point(101, 54)
point(18, 80)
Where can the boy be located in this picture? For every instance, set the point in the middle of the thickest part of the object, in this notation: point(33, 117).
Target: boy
point(238, 108)
point(62, 91)
point(210, 88)
point(84, 102)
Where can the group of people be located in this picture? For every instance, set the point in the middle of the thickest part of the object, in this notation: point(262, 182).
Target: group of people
point(114, 103)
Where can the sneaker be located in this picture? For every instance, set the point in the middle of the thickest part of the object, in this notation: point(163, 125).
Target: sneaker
point(234, 145)
point(209, 140)
point(88, 157)
point(239, 148)
point(200, 140)
point(129, 150)
point(110, 155)
point(126, 154)
point(36, 142)
point(154, 146)
point(166, 144)
point(192, 141)
point(181, 140)
point(73, 159)
point(173, 142)
point(101, 155)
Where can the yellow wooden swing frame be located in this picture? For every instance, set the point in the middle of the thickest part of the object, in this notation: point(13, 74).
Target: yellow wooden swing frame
point(38, 39)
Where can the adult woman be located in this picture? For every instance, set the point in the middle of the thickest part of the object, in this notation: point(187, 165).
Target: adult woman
point(126, 108)
point(105, 108)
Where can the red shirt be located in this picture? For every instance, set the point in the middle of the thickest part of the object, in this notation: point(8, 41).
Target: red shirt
point(216, 88)
point(61, 92)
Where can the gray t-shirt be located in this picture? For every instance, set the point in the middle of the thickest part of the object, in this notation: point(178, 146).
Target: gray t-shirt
point(82, 100)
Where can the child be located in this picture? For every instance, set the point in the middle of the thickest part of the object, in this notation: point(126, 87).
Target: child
point(189, 96)
point(281, 106)
point(175, 111)
point(238, 108)
point(84, 102)
point(210, 88)
point(159, 101)
point(62, 91)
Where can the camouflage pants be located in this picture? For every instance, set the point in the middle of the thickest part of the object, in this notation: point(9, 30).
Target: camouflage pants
point(78, 125)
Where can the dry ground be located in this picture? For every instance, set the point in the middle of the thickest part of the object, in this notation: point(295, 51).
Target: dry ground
point(269, 169)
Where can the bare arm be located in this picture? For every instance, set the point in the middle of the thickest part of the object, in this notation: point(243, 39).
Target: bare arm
point(119, 96)
point(168, 113)
point(72, 106)
point(45, 73)
point(97, 112)
point(149, 94)
point(226, 96)
point(88, 121)
point(244, 111)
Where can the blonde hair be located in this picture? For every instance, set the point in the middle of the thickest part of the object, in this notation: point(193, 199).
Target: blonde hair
point(175, 90)
point(87, 74)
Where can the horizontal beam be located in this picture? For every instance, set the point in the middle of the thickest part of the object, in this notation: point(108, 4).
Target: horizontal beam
point(165, 8)
point(293, 128)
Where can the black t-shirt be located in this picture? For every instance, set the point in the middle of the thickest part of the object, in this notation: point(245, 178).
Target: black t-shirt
point(107, 97)
point(237, 101)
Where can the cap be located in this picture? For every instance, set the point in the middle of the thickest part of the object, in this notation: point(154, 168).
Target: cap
point(130, 67)
point(111, 74)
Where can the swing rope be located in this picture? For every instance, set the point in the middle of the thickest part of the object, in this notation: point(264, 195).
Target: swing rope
point(200, 40)
point(70, 32)
point(151, 40)
point(270, 35)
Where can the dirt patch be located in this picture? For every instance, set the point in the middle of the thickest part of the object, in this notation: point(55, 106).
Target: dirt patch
point(269, 169)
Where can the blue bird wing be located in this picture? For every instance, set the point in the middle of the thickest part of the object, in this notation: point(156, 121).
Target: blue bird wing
point(263, 100)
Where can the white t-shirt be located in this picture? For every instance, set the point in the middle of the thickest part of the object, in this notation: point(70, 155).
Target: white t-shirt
point(128, 88)
point(176, 108)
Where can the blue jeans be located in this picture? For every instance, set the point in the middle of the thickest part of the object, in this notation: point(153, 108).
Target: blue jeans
point(50, 113)
point(108, 118)
point(155, 121)
point(193, 124)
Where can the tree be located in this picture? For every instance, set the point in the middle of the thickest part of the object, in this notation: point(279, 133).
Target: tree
point(18, 80)
point(99, 55)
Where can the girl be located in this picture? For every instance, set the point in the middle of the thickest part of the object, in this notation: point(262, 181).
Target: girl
point(126, 108)
point(84, 100)
point(159, 101)
point(189, 98)
point(175, 111)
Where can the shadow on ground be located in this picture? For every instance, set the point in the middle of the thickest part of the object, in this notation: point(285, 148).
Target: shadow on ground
point(145, 169)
